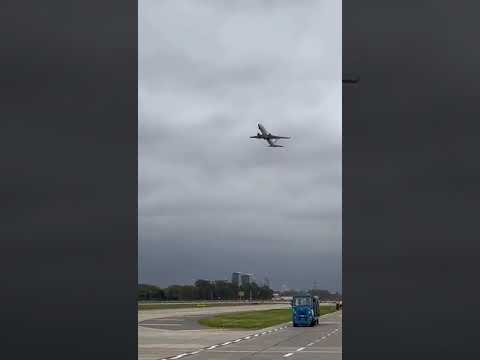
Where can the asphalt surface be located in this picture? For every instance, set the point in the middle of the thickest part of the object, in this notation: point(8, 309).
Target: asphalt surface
point(323, 342)
point(174, 323)
point(163, 313)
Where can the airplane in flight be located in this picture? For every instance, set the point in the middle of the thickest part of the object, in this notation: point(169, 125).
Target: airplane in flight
point(265, 135)
point(350, 79)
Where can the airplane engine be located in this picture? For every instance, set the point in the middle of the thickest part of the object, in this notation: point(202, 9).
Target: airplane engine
point(258, 134)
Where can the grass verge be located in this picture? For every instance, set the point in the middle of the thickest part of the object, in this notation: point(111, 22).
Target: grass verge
point(254, 320)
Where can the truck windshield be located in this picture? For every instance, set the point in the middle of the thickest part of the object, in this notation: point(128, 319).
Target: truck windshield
point(301, 301)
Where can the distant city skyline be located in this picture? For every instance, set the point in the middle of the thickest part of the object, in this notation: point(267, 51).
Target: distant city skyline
point(283, 287)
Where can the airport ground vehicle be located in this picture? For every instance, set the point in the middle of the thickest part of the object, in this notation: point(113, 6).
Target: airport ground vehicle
point(305, 310)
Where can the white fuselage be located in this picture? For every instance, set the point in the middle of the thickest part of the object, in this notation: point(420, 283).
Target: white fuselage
point(262, 129)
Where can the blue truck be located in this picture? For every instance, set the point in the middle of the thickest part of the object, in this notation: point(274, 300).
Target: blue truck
point(305, 310)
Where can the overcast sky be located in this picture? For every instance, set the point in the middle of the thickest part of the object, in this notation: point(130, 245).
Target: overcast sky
point(212, 200)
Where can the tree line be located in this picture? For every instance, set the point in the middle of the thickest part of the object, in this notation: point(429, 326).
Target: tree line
point(205, 290)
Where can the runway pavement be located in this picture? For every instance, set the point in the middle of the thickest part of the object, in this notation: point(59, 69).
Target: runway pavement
point(163, 313)
point(323, 342)
point(174, 323)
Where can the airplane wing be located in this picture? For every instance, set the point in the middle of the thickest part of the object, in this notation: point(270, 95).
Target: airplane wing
point(278, 137)
point(256, 137)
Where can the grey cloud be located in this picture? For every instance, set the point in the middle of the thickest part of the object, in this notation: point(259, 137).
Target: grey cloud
point(210, 198)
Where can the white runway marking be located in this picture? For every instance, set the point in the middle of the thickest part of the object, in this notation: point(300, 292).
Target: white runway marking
point(300, 349)
point(228, 343)
point(179, 356)
point(287, 355)
point(310, 344)
point(278, 351)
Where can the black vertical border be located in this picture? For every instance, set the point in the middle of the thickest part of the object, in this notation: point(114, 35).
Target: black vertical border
point(69, 179)
point(410, 180)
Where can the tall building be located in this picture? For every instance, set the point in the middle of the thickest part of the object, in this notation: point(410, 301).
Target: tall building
point(246, 279)
point(236, 278)
point(239, 278)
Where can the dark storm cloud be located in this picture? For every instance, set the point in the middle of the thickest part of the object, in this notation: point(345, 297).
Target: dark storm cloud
point(211, 200)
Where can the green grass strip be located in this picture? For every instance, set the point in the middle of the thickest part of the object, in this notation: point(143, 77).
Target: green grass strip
point(254, 320)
